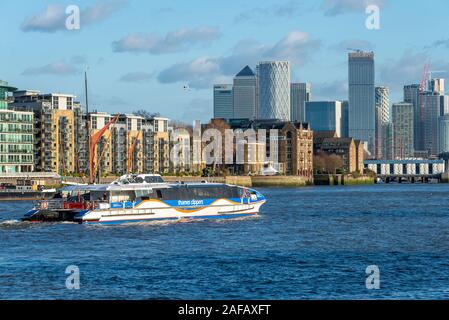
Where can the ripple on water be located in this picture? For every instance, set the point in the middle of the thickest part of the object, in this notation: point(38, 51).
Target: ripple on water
point(311, 243)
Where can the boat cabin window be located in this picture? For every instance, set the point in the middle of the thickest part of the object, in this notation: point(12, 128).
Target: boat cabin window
point(123, 196)
point(198, 192)
point(153, 179)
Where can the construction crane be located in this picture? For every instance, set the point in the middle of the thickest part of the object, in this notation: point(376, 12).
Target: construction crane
point(423, 89)
point(131, 152)
point(102, 154)
point(93, 142)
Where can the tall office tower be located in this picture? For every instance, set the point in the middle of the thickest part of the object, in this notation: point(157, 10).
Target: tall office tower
point(223, 105)
point(411, 95)
point(362, 104)
point(444, 104)
point(345, 119)
point(299, 95)
point(403, 130)
point(324, 116)
point(382, 119)
point(436, 86)
point(244, 94)
point(433, 109)
point(443, 134)
point(389, 142)
point(274, 90)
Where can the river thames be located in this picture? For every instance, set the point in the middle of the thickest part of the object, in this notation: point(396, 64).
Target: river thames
point(307, 243)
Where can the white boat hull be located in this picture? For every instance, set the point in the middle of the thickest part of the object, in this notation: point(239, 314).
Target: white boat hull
point(154, 210)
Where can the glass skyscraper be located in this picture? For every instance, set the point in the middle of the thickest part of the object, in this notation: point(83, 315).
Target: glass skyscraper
point(382, 120)
point(245, 94)
point(223, 107)
point(324, 116)
point(300, 94)
point(403, 130)
point(362, 122)
point(274, 90)
point(411, 95)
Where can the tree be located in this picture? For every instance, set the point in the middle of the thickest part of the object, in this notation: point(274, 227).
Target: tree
point(146, 114)
point(325, 163)
point(318, 163)
point(333, 162)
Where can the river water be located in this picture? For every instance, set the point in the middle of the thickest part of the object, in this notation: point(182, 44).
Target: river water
point(308, 243)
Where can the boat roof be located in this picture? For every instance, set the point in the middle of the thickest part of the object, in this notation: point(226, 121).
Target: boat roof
point(133, 186)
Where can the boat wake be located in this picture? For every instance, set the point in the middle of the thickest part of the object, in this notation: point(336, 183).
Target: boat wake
point(11, 224)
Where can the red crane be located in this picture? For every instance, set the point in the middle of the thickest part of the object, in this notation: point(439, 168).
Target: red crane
point(93, 141)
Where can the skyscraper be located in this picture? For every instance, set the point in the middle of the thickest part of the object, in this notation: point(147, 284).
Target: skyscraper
point(411, 95)
point(443, 134)
point(299, 95)
point(433, 110)
point(223, 105)
point(274, 90)
point(244, 94)
point(324, 116)
point(382, 120)
point(345, 119)
point(403, 130)
point(436, 86)
point(362, 123)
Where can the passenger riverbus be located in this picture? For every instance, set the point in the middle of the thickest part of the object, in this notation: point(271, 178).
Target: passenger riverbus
point(139, 198)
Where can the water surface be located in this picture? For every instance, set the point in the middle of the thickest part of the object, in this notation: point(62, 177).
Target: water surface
point(308, 243)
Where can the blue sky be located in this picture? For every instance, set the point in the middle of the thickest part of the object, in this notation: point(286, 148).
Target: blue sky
point(141, 54)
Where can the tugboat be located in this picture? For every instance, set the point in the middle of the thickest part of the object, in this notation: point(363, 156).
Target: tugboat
point(146, 197)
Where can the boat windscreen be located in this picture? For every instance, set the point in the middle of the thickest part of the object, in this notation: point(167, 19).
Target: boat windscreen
point(200, 192)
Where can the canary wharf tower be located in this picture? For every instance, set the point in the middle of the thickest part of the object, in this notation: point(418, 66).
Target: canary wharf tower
point(362, 101)
point(274, 90)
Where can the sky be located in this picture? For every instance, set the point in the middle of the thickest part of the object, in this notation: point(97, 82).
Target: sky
point(165, 56)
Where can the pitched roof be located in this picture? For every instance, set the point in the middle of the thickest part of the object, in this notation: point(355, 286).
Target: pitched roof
point(246, 72)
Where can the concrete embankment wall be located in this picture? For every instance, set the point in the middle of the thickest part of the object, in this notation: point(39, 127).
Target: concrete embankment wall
point(248, 181)
point(280, 181)
point(339, 179)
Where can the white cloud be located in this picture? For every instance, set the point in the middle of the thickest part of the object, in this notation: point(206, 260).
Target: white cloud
point(296, 46)
point(337, 7)
point(283, 10)
point(176, 41)
point(203, 72)
point(53, 18)
point(55, 68)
